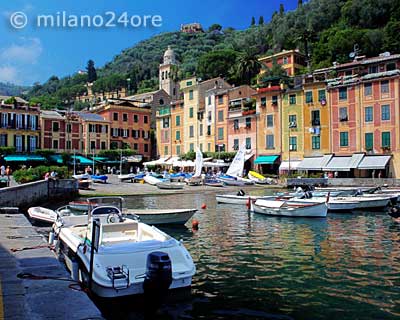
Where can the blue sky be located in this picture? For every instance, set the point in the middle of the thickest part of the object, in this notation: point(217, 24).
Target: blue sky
point(34, 54)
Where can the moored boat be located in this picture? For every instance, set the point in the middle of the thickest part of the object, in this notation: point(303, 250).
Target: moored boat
point(290, 209)
point(42, 214)
point(258, 178)
point(170, 185)
point(129, 176)
point(99, 178)
point(162, 216)
point(114, 256)
point(151, 179)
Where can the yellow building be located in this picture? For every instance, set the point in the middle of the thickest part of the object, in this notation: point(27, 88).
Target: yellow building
point(292, 125)
point(19, 124)
point(292, 61)
point(194, 115)
point(316, 113)
point(177, 127)
point(163, 131)
point(95, 133)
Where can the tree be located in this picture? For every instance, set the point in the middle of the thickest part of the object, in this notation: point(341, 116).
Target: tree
point(247, 67)
point(215, 27)
point(217, 63)
point(261, 20)
point(91, 72)
point(253, 21)
point(299, 3)
point(281, 9)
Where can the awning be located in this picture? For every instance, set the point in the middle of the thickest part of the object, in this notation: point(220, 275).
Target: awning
point(160, 161)
point(56, 158)
point(285, 165)
point(355, 160)
point(171, 160)
point(215, 164)
point(374, 162)
point(82, 160)
point(183, 163)
point(266, 159)
point(338, 164)
point(314, 163)
point(135, 158)
point(24, 158)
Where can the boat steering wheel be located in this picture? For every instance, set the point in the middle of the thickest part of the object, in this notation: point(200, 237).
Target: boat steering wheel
point(114, 217)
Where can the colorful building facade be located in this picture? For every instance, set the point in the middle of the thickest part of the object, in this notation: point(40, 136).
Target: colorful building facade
point(19, 124)
point(292, 61)
point(129, 125)
point(61, 132)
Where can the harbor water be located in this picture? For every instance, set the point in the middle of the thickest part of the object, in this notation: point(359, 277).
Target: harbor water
point(250, 266)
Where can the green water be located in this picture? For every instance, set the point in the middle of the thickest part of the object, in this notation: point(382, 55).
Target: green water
point(251, 266)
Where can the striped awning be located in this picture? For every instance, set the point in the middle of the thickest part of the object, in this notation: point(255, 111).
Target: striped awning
point(314, 163)
point(374, 162)
point(24, 158)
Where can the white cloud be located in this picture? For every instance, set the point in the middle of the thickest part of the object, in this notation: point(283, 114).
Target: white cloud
point(9, 74)
point(28, 50)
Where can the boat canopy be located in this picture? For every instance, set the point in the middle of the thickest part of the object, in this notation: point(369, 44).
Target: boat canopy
point(374, 162)
point(266, 159)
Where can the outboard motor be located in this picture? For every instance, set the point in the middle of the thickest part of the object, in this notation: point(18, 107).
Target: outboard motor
point(308, 194)
point(158, 277)
point(241, 193)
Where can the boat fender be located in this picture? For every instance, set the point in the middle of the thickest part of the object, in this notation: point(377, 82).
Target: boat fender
point(204, 206)
point(51, 237)
point(158, 275)
point(195, 224)
point(248, 203)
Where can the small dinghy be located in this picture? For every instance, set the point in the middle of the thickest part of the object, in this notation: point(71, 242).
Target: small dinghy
point(151, 179)
point(290, 208)
point(213, 183)
point(113, 256)
point(170, 185)
point(99, 178)
point(123, 177)
point(258, 178)
point(162, 216)
point(42, 214)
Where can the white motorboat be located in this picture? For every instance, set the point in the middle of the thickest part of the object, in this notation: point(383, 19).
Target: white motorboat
point(357, 202)
point(231, 181)
point(170, 185)
point(335, 204)
point(81, 176)
point(162, 216)
point(151, 180)
point(290, 208)
point(113, 256)
point(42, 214)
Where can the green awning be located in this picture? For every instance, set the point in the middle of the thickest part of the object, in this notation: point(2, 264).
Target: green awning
point(56, 158)
point(24, 158)
point(266, 159)
point(82, 160)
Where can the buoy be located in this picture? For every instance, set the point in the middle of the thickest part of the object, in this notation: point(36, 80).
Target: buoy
point(204, 206)
point(248, 203)
point(195, 224)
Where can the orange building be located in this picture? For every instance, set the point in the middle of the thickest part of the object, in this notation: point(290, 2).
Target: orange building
point(129, 125)
point(269, 134)
point(292, 61)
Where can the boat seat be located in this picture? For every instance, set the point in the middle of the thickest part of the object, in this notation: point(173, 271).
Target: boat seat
point(119, 232)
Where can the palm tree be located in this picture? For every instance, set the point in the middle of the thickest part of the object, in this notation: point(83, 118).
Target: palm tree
point(247, 66)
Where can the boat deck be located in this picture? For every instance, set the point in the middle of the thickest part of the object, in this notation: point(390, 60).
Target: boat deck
point(35, 299)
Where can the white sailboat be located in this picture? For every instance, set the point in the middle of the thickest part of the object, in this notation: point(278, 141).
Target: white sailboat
point(235, 171)
point(198, 163)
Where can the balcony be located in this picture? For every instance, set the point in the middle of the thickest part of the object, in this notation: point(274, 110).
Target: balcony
point(343, 119)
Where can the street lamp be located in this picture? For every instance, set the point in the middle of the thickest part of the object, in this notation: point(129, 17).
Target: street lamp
point(129, 85)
